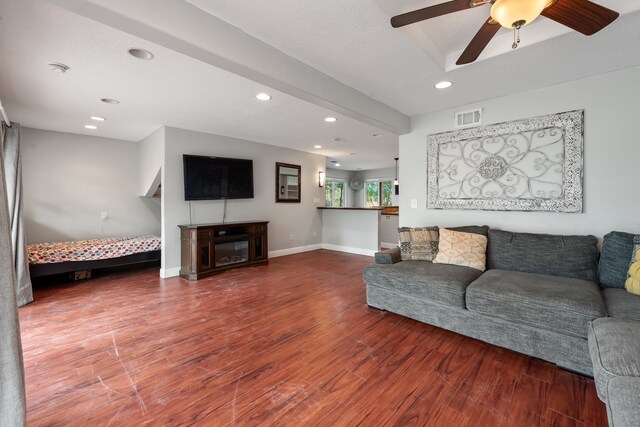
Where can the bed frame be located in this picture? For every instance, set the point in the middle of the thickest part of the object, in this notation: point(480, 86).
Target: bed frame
point(38, 270)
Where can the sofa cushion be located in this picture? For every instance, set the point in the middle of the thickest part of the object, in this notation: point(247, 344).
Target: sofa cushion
point(615, 348)
point(558, 304)
point(621, 304)
point(418, 243)
point(442, 283)
point(617, 248)
point(565, 256)
point(465, 249)
point(624, 402)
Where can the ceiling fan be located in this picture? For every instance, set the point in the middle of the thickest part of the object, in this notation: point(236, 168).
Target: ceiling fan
point(583, 16)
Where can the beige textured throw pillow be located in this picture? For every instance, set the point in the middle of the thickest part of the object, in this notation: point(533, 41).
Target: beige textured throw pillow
point(458, 248)
point(418, 243)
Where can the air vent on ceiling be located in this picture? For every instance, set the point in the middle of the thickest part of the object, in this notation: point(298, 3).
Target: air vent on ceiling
point(469, 118)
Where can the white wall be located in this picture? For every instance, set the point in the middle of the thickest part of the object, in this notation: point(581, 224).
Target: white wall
point(298, 219)
point(348, 230)
point(612, 152)
point(150, 159)
point(70, 179)
point(389, 230)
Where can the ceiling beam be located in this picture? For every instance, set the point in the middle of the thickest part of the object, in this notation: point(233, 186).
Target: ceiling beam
point(184, 28)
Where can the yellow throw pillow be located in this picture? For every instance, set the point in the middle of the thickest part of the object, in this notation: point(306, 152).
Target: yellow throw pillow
point(458, 248)
point(633, 281)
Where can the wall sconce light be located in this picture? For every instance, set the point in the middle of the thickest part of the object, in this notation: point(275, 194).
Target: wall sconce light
point(321, 178)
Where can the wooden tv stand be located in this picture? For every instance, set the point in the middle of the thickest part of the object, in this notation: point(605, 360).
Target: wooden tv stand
point(212, 248)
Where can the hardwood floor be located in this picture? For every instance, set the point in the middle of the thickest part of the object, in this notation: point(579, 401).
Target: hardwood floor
point(292, 343)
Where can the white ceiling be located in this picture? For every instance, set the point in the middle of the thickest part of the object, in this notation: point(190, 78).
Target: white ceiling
point(354, 43)
point(351, 42)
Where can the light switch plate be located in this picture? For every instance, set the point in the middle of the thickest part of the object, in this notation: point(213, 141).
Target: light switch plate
point(414, 203)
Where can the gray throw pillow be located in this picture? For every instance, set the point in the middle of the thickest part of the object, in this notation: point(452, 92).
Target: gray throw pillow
point(475, 229)
point(617, 250)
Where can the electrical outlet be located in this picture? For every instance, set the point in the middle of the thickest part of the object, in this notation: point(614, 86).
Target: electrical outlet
point(414, 203)
point(104, 215)
point(316, 200)
point(290, 236)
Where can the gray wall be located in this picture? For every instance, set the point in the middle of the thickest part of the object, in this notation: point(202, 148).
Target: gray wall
point(70, 179)
point(291, 225)
point(611, 144)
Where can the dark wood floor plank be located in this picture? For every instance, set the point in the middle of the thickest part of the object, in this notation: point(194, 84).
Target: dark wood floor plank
point(292, 343)
point(568, 395)
point(540, 369)
point(529, 389)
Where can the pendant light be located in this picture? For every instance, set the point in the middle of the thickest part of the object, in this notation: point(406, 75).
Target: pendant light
point(396, 183)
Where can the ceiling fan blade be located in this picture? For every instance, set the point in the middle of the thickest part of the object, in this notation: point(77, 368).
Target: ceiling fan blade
point(430, 12)
point(583, 16)
point(479, 42)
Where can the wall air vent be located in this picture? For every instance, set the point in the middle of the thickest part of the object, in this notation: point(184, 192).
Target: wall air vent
point(468, 118)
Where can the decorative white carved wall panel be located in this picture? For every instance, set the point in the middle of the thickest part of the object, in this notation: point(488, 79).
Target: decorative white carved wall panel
point(525, 165)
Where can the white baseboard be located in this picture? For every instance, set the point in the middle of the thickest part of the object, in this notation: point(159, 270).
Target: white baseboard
point(296, 250)
point(169, 272)
point(357, 251)
point(388, 245)
point(173, 272)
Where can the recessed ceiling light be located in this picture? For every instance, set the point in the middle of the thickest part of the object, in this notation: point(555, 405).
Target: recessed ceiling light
point(58, 67)
point(443, 84)
point(317, 146)
point(263, 96)
point(98, 118)
point(330, 119)
point(92, 127)
point(110, 101)
point(141, 53)
point(336, 139)
point(377, 134)
point(337, 164)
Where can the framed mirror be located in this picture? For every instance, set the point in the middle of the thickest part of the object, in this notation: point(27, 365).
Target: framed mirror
point(288, 183)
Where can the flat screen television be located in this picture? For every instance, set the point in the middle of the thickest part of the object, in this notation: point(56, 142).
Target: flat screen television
point(215, 178)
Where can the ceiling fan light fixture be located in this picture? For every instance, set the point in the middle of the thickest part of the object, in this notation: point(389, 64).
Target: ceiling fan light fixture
point(517, 13)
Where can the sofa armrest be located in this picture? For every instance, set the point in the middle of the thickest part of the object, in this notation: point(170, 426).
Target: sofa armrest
point(388, 256)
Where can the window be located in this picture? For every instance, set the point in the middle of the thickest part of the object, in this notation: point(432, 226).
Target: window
point(334, 193)
point(378, 193)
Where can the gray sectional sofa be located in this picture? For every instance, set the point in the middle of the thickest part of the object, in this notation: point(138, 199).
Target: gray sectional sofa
point(541, 295)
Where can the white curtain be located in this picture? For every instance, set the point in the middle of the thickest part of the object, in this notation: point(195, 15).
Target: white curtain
point(10, 147)
point(12, 395)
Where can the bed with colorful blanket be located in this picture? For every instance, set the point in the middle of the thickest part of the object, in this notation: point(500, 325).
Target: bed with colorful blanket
point(66, 257)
